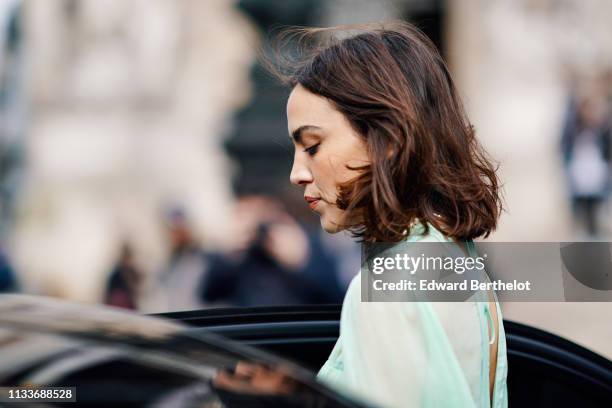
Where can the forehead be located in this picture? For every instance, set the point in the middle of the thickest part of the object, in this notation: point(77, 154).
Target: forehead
point(307, 108)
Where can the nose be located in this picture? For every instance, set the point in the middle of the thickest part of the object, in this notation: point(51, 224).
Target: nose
point(300, 174)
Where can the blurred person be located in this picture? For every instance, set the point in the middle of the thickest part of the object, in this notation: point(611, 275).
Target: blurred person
point(586, 146)
point(125, 281)
point(271, 260)
point(383, 149)
point(336, 258)
point(13, 109)
point(8, 281)
point(346, 254)
point(326, 265)
point(187, 266)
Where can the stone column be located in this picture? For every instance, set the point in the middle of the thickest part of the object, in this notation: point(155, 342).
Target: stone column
point(130, 101)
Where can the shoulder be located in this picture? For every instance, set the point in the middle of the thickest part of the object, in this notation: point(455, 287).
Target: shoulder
point(375, 317)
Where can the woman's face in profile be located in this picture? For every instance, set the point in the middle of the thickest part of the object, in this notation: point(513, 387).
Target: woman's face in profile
point(325, 144)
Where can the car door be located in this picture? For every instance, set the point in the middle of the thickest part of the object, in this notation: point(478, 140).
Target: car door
point(104, 357)
point(544, 369)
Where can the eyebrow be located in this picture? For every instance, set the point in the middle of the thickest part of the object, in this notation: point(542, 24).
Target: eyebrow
point(297, 133)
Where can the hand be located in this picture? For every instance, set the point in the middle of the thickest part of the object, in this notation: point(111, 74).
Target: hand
point(288, 244)
point(255, 379)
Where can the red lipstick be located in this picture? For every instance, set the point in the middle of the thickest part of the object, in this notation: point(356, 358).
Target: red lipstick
point(312, 201)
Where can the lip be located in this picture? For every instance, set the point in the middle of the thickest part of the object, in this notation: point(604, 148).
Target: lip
point(312, 201)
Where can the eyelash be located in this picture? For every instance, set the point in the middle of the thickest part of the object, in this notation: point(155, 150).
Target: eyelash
point(312, 150)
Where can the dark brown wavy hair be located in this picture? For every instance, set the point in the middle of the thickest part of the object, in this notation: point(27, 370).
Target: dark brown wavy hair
point(394, 88)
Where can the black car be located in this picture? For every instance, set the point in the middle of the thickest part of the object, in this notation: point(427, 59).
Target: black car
point(186, 359)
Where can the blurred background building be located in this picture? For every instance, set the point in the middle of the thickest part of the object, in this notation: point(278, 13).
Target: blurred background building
point(133, 134)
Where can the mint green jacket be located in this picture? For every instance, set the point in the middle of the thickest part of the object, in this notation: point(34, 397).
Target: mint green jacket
point(417, 354)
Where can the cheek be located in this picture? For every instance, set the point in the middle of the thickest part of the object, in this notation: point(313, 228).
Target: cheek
point(332, 166)
point(326, 176)
point(351, 154)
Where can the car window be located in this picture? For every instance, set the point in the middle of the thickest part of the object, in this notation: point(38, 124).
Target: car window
point(183, 371)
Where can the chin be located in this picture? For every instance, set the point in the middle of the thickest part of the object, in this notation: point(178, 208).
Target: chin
point(330, 227)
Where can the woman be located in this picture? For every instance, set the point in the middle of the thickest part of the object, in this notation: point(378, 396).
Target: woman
point(383, 149)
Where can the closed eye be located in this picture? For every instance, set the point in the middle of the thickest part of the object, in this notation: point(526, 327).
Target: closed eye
point(312, 150)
